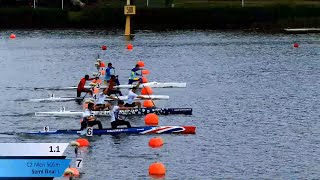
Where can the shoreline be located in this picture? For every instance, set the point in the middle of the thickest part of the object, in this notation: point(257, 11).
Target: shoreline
point(261, 19)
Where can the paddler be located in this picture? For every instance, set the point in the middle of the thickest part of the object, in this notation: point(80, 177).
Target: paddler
point(132, 95)
point(111, 89)
point(100, 103)
point(116, 120)
point(81, 85)
point(134, 74)
point(100, 64)
point(89, 119)
point(109, 72)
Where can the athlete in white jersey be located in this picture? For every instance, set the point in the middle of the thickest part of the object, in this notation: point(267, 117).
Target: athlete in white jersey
point(131, 96)
point(89, 119)
point(116, 120)
point(100, 103)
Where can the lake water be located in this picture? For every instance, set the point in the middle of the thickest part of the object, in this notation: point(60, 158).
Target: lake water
point(255, 100)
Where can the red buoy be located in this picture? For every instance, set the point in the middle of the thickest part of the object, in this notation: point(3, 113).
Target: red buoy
point(140, 63)
point(146, 90)
point(104, 47)
point(157, 168)
point(83, 142)
point(129, 46)
point(12, 36)
point(145, 72)
point(144, 80)
point(156, 142)
point(151, 119)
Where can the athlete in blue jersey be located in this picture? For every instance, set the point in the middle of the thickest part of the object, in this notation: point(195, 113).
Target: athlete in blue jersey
point(109, 72)
point(134, 75)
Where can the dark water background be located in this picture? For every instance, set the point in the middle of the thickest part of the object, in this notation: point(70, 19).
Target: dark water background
point(255, 100)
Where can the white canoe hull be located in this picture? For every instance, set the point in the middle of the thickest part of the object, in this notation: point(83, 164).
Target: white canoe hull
point(123, 98)
point(54, 99)
point(301, 30)
point(150, 84)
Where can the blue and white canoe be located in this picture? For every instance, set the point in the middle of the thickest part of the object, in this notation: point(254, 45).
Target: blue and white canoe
point(133, 130)
point(136, 111)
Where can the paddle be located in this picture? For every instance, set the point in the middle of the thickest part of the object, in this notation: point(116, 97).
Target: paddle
point(84, 97)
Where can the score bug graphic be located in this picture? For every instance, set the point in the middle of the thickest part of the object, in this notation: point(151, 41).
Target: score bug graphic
point(56, 149)
point(37, 160)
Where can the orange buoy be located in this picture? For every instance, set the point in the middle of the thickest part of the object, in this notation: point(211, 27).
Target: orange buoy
point(83, 142)
point(295, 45)
point(156, 142)
point(157, 169)
point(75, 172)
point(148, 104)
point(145, 72)
point(151, 119)
point(12, 36)
point(103, 47)
point(144, 80)
point(129, 46)
point(146, 90)
point(140, 63)
point(71, 172)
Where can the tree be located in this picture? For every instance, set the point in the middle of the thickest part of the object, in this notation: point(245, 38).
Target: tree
point(168, 3)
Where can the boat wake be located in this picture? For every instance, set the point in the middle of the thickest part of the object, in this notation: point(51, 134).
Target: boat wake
point(20, 88)
point(18, 115)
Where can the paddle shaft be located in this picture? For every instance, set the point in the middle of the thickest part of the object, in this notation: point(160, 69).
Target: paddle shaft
point(149, 96)
point(84, 96)
point(147, 91)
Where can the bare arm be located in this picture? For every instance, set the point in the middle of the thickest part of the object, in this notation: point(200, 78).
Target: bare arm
point(141, 97)
point(113, 98)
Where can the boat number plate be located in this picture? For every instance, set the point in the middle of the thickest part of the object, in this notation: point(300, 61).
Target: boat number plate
point(89, 131)
point(79, 163)
point(46, 129)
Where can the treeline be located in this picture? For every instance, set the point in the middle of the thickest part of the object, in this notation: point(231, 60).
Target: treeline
point(270, 17)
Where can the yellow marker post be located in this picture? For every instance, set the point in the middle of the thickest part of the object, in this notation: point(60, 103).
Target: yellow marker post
point(128, 11)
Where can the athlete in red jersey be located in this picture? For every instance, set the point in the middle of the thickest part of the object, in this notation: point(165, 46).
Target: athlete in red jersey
point(111, 89)
point(81, 85)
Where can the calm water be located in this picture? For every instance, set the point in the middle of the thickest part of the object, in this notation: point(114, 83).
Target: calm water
point(255, 100)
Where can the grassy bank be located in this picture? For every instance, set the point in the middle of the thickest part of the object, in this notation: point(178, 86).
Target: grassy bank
point(265, 17)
